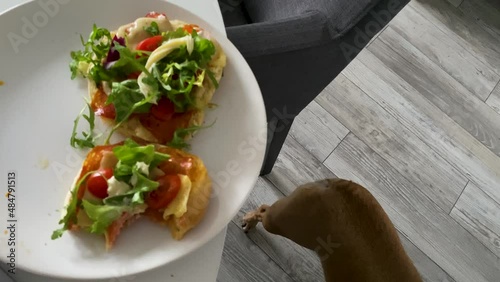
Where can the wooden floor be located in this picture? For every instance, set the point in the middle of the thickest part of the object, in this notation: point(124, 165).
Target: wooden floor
point(415, 119)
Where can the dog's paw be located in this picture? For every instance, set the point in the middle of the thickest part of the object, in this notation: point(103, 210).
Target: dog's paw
point(251, 219)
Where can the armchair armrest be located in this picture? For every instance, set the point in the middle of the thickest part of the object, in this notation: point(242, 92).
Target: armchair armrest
point(267, 38)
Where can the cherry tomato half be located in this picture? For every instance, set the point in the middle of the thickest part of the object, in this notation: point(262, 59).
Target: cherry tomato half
point(150, 44)
point(170, 185)
point(154, 15)
point(164, 110)
point(97, 183)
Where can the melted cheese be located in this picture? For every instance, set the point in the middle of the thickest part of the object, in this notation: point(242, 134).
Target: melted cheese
point(161, 52)
point(116, 187)
point(178, 207)
point(135, 32)
point(108, 160)
point(156, 173)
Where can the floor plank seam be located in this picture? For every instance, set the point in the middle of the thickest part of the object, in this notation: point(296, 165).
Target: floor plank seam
point(457, 35)
point(350, 132)
point(275, 262)
point(465, 187)
point(486, 194)
point(493, 90)
point(474, 236)
point(312, 156)
point(270, 255)
point(461, 4)
point(446, 33)
point(462, 171)
point(476, 19)
point(417, 137)
point(431, 259)
point(266, 177)
point(439, 209)
point(329, 111)
point(430, 101)
point(375, 37)
point(334, 148)
point(456, 6)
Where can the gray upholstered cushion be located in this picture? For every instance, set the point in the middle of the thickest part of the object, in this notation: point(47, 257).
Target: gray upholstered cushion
point(341, 14)
point(233, 12)
point(279, 36)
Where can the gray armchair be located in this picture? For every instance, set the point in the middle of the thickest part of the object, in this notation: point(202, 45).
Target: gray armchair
point(297, 47)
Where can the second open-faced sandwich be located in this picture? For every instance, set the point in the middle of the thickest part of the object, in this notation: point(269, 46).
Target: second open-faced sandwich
point(119, 183)
point(151, 77)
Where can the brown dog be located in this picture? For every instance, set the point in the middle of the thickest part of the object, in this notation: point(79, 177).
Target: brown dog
point(345, 225)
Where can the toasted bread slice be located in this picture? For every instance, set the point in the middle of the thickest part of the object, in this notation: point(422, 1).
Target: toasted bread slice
point(180, 163)
point(145, 126)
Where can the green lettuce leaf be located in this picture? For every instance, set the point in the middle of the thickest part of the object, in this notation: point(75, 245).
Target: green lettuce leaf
point(127, 170)
point(136, 195)
point(178, 80)
point(89, 62)
point(178, 33)
point(70, 216)
point(153, 29)
point(180, 70)
point(123, 172)
point(203, 50)
point(128, 99)
point(130, 61)
point(130, 153)
point(179, 139)
point(124, 96)
point(95, 50)
point(89, 138)
point(102, 215)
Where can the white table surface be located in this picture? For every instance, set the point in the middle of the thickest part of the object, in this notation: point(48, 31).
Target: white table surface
point(200, 266)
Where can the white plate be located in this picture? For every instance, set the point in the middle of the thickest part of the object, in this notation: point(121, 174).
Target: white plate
point(38, 104)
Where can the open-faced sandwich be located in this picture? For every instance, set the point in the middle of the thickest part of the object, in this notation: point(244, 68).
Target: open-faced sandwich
point(119, 183)
point(151, 77)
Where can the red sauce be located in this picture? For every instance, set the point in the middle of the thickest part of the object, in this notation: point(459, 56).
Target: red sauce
point(190, 27)
point(99, 106)
point(177, 164)
point(163, 130)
